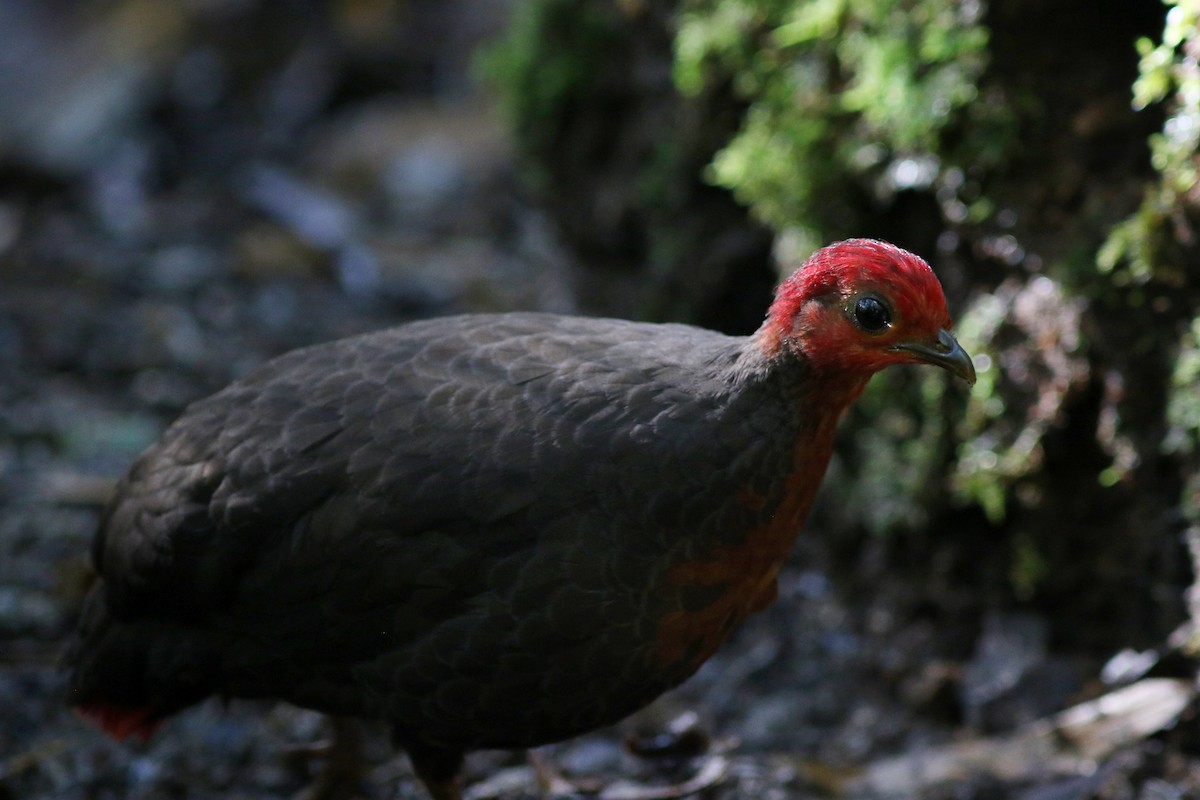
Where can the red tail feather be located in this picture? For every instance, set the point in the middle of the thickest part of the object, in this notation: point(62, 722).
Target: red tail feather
point(120, 722)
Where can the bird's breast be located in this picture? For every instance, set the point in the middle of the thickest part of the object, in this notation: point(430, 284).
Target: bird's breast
point(731, 581)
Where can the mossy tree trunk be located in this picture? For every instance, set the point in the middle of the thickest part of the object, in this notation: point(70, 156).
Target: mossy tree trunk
point(1050, 486)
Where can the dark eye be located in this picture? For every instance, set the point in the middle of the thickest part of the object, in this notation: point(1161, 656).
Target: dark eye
point(871, 314)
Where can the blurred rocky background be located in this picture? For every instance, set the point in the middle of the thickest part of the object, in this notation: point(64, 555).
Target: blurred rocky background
point(188, 187)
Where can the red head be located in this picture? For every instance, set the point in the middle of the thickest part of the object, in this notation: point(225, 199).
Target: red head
point(861, 305)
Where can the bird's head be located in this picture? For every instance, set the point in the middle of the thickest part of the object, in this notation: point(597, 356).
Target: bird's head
point(861, 305)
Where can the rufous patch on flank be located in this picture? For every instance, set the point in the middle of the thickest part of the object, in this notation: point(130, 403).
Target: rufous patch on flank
point(748, 570)
point(751, 499)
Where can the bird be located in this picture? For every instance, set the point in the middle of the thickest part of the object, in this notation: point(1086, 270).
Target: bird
point(487, 531)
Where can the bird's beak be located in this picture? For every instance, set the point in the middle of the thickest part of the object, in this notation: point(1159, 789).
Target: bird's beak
point(946, 353)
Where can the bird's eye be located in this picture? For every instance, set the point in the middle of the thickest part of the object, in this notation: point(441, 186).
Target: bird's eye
point(871, 314)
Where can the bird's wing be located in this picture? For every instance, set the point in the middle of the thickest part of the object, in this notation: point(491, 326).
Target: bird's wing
point(436, 443)
point(418, 519)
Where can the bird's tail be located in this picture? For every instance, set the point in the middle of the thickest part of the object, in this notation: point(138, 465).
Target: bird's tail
point(128, 676)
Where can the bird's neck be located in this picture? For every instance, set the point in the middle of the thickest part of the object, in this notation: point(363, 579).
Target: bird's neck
point(817, 391)
point(743, 568)
point(815, 400)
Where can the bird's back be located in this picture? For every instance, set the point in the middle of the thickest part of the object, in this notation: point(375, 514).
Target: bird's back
point(473, 527)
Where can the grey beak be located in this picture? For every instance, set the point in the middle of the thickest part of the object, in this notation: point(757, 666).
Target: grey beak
point(946, 353)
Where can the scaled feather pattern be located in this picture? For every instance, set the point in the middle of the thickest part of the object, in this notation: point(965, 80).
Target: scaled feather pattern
point(490, 531)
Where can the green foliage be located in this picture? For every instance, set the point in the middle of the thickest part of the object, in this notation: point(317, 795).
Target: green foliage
point(1140, 248)
point(837, 90)
point(1038, 327)
point(985, 467)
point(553, 54)
point(1153, 243)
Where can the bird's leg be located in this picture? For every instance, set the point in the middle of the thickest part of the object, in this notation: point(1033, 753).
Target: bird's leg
point(683, 739)
point(342, 774)
point(438, 770)
point(550, 781)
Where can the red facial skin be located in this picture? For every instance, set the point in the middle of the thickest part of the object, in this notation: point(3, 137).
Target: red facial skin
point(813, 309)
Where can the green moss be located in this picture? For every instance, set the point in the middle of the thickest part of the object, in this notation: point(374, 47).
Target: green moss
point(840, 93)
